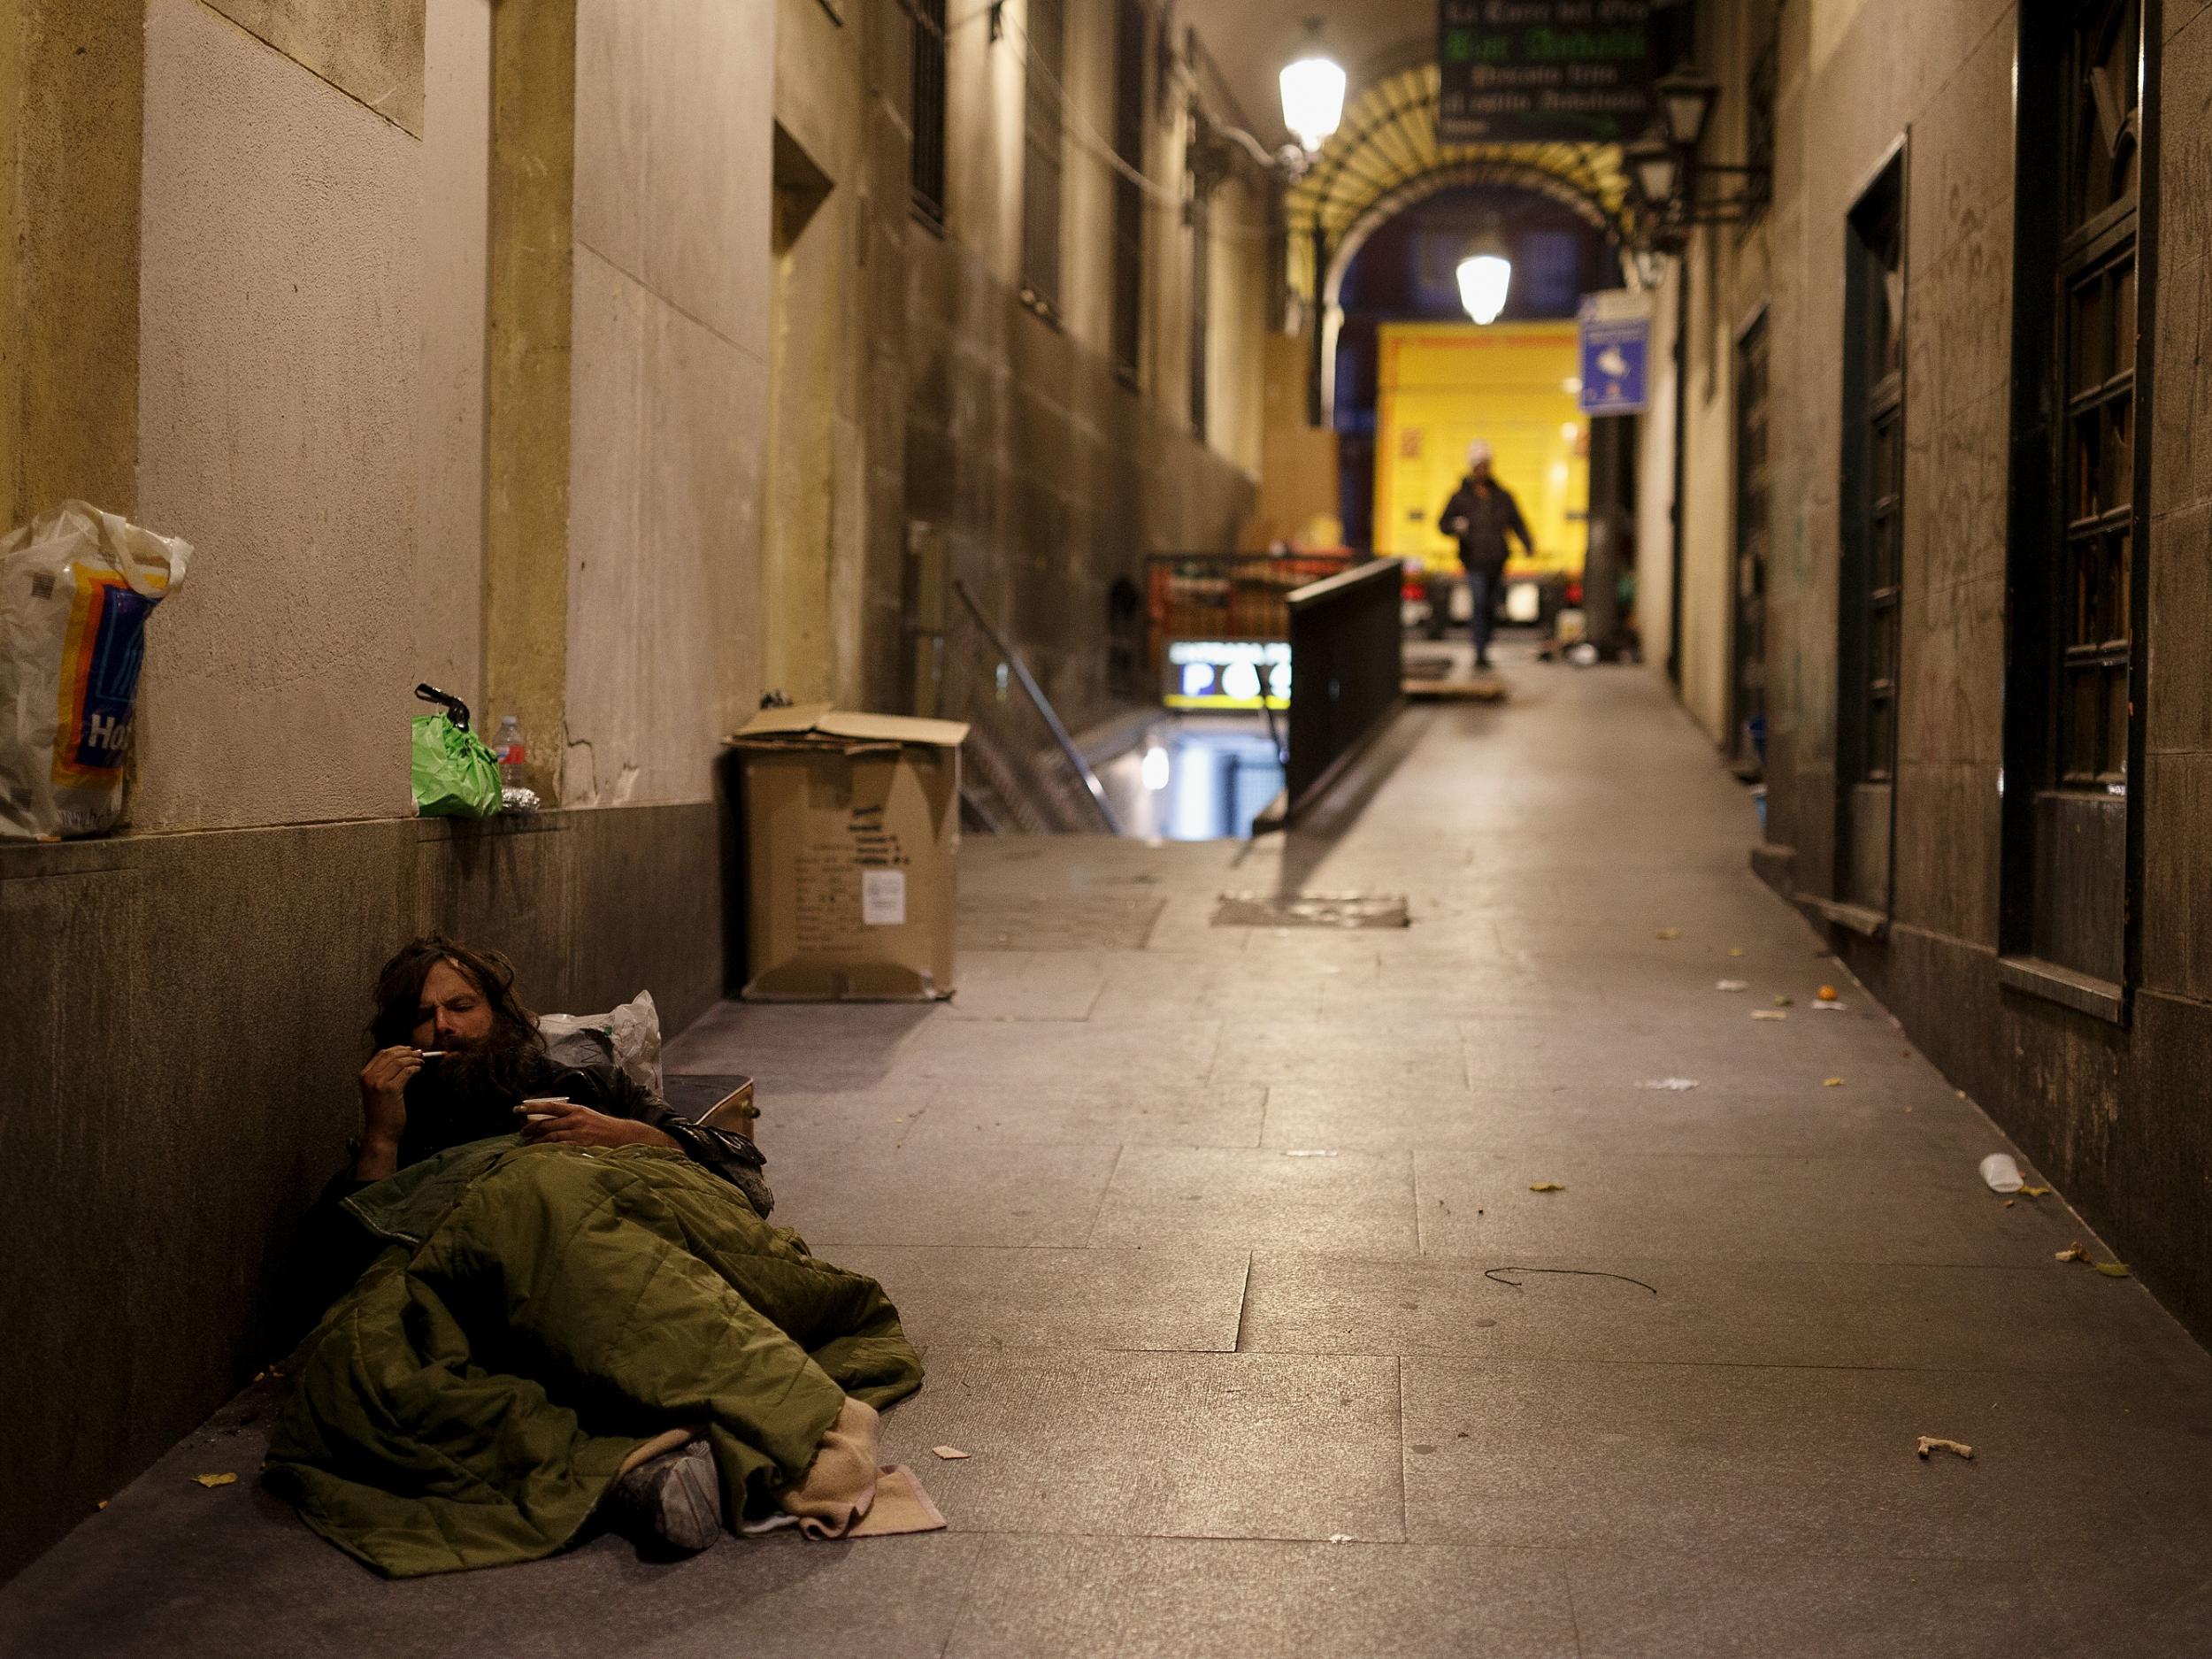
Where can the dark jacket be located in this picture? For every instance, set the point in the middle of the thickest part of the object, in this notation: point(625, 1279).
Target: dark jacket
point(335, 1251)
point(1486, 515)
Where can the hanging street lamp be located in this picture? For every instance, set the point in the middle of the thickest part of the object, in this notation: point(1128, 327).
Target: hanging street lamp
point(1313, 93)
point(1485, 276)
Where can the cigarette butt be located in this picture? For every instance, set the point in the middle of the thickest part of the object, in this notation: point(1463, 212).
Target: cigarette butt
point(431, 1054)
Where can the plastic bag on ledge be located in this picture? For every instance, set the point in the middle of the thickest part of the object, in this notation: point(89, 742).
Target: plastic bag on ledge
point(76, 586)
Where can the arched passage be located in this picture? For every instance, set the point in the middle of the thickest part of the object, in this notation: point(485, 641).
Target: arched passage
point(1384, 159)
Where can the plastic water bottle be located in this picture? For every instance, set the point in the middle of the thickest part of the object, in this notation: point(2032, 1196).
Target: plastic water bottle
point(507, 744)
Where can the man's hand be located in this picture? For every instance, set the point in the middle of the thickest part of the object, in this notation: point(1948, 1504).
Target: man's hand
point(566, 1124)
point(384, 1108)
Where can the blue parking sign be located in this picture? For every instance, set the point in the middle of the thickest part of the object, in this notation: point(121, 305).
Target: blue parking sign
point(1616, 330)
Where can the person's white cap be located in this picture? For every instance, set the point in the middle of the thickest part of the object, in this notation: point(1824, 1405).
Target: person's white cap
point(1477, 454)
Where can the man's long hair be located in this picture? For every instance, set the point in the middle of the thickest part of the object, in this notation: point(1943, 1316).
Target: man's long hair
point(500, 1071)
point(399, 989)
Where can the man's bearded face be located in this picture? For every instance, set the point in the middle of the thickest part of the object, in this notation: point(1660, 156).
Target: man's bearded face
point(482, 1069)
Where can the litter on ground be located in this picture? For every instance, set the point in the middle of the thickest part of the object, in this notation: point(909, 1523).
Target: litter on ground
point(2000, 1172)
point(1828, 1008)
point(1738, 950)
point(1668, 932)
point(1546, 1187)
point(2113, 1269)
point(1937, 1443)
point(2072, 1253)
point(1674, 1084)
point(1827, 993)
point(951, 1454)
point(212, 1481)
point(1768, 1013)
point(1831, 1082)
point(1781, 1001)
point(1732, 985)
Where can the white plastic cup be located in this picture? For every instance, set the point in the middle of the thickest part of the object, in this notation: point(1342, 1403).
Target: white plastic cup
point(2001, 1173)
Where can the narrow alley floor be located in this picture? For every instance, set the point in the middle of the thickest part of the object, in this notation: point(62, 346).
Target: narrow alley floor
point(1204, 1231)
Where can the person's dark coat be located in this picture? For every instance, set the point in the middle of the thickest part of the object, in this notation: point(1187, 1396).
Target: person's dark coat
point(1479, 516)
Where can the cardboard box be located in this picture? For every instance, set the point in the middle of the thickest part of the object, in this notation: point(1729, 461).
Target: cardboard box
point(852, 834)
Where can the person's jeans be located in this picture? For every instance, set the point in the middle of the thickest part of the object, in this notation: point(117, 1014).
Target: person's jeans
point(1481, 591)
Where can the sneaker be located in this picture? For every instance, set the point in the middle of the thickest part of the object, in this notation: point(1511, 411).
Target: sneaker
point(674, 1501)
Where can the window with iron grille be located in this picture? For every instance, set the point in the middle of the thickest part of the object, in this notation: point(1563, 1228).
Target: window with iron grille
point(1129, 56)
point(1042, 127)
point(2074, 668)
point(926, 167)
point(2095, 365)
point(1203, 162)
point(1758, 137)
point(1872, 498)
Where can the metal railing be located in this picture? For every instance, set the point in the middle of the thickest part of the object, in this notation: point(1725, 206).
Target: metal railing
point(1347, 674)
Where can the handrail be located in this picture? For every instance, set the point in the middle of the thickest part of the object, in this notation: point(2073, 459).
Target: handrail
point(1317, 592)
point(1035, 693)
point(1347, 677)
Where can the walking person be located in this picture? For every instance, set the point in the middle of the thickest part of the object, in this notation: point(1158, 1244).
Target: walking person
point(1479, 515)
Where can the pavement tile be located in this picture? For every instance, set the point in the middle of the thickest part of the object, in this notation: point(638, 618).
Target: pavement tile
point(1789, 1117)
point(989, 1110)
point(1135, 1054)
point(1413, 1055)
point(1761, 1460)
point(1131, 1445)
point(1727, 1210)
point(1160, 1598)
point(1027, 984)
point(2038, 1318)
point(1710, 1605)
point(1222, 1198)
point(1181, 1301)
point(931, 1192)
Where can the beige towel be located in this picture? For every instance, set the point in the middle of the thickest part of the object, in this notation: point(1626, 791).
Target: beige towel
point(847, 1494)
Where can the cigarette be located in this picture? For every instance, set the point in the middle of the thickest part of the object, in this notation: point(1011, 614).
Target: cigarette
point(430, 1053)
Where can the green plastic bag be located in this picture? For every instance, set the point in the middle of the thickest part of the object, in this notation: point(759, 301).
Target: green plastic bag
point(455, 774)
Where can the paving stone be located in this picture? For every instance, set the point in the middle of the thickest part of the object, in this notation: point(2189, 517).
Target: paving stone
point(1185, 1300)
point(1133, 1445)
point(1164, 1197)
point(928, 1192)
point(1133, 1054)
point(1728, 1210)
point(2038, 1318)
point(1755, 1460)
point(1710, 1606)
point(1047, 985)
point(1790, 1116)
point(1157, 1598)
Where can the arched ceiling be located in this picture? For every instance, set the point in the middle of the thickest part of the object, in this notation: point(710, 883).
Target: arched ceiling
point(1384, 158)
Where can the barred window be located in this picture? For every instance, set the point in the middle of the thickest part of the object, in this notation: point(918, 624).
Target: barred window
point(2096, 324)
point(1129, 55)
point(926, 168)
point(1042, 128)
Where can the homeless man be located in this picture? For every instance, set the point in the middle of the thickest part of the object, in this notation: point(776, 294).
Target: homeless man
point(572, 1310)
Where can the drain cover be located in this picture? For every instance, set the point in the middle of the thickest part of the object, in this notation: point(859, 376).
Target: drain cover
point(1312, 909)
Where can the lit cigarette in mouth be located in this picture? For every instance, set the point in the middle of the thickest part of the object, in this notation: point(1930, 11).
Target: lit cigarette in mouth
point(431, 1054)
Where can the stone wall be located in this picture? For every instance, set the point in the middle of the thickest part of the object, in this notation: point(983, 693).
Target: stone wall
point(2111, 1112)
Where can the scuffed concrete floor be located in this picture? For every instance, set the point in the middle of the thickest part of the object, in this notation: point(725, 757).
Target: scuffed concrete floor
point(1191, 1224)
